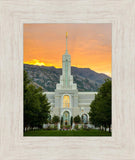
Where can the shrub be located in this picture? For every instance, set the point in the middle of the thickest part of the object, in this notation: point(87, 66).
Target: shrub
point(61, 121)
point(55, 119)
point(77, 119)
point(68, 126)
point(76, 127)
point(71, 121)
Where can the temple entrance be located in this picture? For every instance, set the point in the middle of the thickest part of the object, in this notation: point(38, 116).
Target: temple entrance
point(66, 118)
point(84, 118)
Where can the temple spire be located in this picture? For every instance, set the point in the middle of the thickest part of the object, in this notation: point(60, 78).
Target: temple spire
point(66, 42)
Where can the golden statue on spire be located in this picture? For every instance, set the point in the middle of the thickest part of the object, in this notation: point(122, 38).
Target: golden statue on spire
point(66, 34)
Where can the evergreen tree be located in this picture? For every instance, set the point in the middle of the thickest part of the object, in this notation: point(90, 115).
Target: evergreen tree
point(36, 106)
point(100, 108)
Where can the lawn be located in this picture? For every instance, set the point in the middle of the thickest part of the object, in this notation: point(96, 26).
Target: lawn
point(91, 132)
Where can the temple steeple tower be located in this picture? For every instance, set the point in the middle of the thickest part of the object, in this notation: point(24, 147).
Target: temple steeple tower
point(66, 80)
point(66, 66)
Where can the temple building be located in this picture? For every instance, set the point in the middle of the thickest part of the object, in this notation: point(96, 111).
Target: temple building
point(66, 101)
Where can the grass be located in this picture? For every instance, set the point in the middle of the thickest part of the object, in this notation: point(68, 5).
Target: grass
point(92, 132)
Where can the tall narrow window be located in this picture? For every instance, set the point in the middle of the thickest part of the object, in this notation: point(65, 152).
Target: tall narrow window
point(66, 74)
point(66, 101)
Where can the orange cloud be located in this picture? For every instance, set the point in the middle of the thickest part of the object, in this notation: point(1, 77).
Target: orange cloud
point(88, 44)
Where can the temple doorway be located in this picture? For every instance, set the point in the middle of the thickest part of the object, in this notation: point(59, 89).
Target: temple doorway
point(66, 118)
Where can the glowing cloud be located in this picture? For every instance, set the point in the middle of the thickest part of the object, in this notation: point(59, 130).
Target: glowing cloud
point(88, 44)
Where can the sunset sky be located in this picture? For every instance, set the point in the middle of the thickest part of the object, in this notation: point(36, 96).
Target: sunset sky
point(89, 45)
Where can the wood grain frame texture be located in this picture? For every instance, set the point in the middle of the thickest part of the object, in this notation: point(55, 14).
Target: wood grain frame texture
point(13, 14)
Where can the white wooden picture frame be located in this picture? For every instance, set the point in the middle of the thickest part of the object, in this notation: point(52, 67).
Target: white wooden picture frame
point(13, 14)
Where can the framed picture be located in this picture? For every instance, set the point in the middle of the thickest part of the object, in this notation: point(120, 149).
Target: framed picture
point(67, 79)
point(14, 15)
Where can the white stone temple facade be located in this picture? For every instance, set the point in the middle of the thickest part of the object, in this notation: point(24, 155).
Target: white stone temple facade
point(66, 101)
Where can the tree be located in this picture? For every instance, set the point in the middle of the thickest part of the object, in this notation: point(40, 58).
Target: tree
point(44, 112)
point(71, 120)
point(100, 108)
point(55, 119)
point(77, 119)
point(61, 120)
point(36, 106)
point(31, 107)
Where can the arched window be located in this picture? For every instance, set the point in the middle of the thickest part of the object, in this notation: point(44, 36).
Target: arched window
point(66, 101)
point(84, 118)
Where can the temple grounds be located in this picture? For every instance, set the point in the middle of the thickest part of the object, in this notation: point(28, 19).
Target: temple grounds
point(91, 132)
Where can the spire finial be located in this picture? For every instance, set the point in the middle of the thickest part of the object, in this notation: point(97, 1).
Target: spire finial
point(66, 40)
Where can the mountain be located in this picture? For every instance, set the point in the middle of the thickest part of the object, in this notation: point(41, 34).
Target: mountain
point(48, 77)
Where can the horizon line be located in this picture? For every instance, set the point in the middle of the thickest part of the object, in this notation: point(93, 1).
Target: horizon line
point(43, 65)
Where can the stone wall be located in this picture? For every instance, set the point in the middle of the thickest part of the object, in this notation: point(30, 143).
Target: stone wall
point(79, 102)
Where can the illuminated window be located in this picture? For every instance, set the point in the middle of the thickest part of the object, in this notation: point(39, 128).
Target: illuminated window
point(66, 102)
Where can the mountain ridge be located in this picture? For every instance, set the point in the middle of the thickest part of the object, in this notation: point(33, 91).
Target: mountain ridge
point(48, 77)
